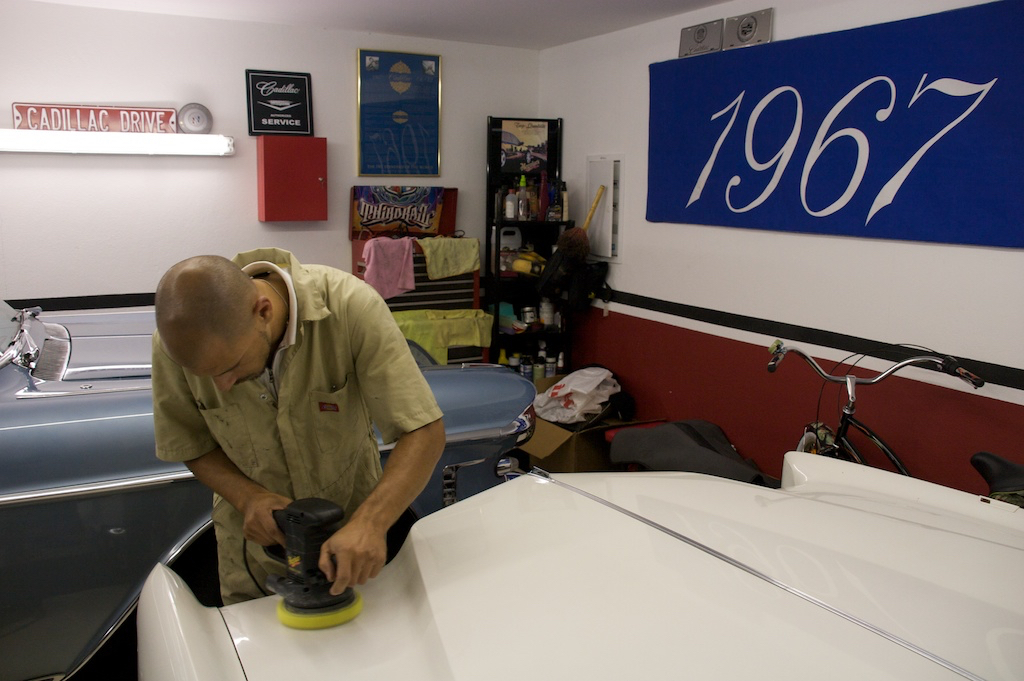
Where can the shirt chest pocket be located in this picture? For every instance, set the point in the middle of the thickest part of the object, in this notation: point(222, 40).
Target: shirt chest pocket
point(229, 428)
point(340, 422)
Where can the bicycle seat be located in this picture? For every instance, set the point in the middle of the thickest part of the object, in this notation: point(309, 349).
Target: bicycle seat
point(1001, 474)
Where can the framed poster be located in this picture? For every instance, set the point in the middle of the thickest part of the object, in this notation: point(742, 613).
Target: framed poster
point(524, 146)
point(399, 113)
point(279, 103)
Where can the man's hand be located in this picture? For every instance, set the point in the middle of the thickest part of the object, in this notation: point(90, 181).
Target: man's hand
point(356, 553)
point(256, 503)
point(259, 525)
point(353, 555)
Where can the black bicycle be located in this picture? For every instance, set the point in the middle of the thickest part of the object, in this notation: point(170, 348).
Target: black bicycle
point(1005, 478)
point(820, 439)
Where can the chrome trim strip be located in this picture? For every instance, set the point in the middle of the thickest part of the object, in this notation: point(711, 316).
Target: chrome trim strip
point(928, 655)
point(48, 424)
point(94, 489)
point(468, 436)
point(103, 368)
point(110, 632)
point(36, 394)
point(183, 546)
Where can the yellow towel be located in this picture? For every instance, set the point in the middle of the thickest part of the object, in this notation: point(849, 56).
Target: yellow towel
point(437, 330)
point(448, 256)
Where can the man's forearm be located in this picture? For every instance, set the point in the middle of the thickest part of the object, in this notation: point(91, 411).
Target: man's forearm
point(356, 552)
point(409, 467)
point(215, 470)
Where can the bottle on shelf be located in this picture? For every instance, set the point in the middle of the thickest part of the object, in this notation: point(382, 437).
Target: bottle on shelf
point(538, 370)
point(547, 313)
point(523, 200)
point(526, 366)
point(511, 204)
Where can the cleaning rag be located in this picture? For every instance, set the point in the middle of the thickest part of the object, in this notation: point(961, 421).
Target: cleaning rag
point(437, 330)
point(448, 257)
point(389, 266)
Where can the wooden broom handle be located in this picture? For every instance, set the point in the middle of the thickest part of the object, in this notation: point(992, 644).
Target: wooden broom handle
point(593, 207)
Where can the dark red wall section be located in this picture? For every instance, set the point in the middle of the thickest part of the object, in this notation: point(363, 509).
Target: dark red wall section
point(676, 374)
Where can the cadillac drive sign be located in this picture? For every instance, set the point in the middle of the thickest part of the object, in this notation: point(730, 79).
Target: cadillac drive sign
point(93, 118)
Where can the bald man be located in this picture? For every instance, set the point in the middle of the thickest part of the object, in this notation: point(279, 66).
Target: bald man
point(268, 376)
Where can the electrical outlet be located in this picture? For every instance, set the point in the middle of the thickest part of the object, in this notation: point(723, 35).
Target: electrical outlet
point(748, 29)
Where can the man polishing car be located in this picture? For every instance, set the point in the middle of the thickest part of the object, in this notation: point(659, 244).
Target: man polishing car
point(267, 375)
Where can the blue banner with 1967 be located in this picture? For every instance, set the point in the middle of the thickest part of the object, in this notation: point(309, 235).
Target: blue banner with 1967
point(908, 130)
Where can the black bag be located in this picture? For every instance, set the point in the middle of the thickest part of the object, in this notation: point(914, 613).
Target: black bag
point(694, 446)
point(588, 283)
point(580, 282)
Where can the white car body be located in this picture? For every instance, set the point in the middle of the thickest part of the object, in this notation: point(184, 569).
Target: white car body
point(847, 572)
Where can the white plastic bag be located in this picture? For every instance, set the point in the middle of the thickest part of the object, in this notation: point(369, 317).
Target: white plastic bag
point(578, 395)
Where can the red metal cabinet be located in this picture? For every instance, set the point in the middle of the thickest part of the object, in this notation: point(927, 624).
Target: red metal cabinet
point(292, 176)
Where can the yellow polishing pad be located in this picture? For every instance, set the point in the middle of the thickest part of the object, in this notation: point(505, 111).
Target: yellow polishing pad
point(319, 620)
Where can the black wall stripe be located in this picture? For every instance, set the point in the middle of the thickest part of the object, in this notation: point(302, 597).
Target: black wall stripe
point(992, 373)
point(85, 302)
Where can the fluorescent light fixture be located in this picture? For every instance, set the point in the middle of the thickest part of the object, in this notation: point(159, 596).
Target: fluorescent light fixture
point(138, 143)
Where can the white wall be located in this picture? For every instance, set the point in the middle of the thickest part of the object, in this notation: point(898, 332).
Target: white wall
point(96, 225)
point(93, 225)
point(962, 300)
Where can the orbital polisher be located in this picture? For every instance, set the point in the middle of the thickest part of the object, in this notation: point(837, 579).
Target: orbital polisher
point(307, 602)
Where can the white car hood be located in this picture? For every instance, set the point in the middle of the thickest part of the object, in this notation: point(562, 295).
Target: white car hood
point(846, 573)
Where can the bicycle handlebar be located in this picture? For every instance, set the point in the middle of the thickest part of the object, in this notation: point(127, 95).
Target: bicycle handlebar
point(947, 364)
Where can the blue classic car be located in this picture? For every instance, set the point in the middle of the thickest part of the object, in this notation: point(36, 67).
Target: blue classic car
point(87, 508)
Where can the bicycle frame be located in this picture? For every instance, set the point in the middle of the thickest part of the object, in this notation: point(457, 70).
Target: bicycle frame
point(844, 443)
point(842, 447)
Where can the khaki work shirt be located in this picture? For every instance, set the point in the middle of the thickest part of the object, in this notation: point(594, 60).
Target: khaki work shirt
point(349, 367)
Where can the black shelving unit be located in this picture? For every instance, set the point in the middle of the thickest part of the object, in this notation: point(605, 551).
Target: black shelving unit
point(520, 290)
point(510, 155)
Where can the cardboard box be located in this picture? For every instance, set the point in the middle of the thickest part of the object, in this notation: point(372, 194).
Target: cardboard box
point(571, 448)
point(558, 448)
point(542, 384)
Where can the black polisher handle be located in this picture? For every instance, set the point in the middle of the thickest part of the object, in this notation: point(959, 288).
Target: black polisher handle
point(306, 524)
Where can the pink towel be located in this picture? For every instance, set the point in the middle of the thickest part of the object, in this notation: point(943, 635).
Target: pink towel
point(389, 265)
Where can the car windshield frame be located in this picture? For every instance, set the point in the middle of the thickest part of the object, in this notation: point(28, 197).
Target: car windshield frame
point(9, 324)
point(18, 347)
